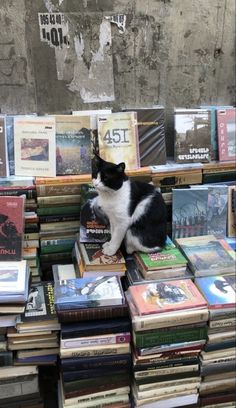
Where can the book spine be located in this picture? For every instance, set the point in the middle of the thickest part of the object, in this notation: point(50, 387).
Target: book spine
point(94, 397)
point(55, 242)
point(70, 209)
point(6, 358)
point(86, 382)
point(77, 179)
point(92, 374)
point(60, 200)
point(93, 341)
point(180, 362)
point(55, 189)
point(74, 364)
point(158, 338)
point(222, 323)
point(89, 390)
point(167, 377)
point(58, 218)
point(91, 314)
point(56, 248)
point(83, 351)
point(166, 371)
point(29, 193)
point(19, 388)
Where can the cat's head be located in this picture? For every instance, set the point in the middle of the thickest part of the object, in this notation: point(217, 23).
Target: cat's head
point(107, 176)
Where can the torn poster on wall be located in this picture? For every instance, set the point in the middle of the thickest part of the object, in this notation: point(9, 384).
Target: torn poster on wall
point(119, 20)
point(89, 53)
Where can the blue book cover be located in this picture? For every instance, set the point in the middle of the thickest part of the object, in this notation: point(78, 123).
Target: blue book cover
point(88, 292)
point(219, 291)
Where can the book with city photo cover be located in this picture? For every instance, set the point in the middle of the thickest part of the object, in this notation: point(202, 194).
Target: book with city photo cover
point(162, 297)
point(82, 293)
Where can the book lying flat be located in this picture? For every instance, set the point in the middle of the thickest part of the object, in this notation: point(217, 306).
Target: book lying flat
point(219, 291)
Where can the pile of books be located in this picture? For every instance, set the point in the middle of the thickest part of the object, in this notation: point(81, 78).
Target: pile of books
point(34, 339)
point(218, 357)
point(95, 345)
point(169, 330)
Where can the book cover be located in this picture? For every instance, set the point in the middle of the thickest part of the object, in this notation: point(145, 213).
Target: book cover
point(192, 135)
point(226, 129)
point(40, 304)
point(219, 291)
point(34, 146)
point(95, 259)
point(118, 139)
point(151, 135)
point(207, 254)
point(159, 297)
point(170, 256)
point(88, 292)
point(13, 276)
point(73, 145)
point(217, 205)
point(231, 215)
point(94, 224)
point(4, 169)
point(189, 212)
point(11, 227)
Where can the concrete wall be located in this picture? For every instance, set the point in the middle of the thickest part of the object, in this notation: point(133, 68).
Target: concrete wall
point(169, 52)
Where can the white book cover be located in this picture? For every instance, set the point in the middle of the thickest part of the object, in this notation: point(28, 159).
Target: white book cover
point(35, 146)
point(12, 277)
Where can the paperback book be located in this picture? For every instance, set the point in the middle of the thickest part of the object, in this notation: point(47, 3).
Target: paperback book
point(118, 138)
point(226, 129)
point(219, 291)
point(159, 297)
point(88, 292)
point(208, 255)
point(14, 277)
point(94, 258)
point(11, 227)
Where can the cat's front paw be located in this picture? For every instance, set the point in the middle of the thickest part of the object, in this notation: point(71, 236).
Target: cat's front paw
point(109, 250)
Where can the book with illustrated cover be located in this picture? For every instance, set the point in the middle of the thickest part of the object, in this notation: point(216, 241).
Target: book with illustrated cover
point(168, 257)
point(217, 210)
point(14, 278)
point(208, 255)
point(34, 146)
point(94, 258)
point(11, 227)
point(94, 225)
point(162, 297)
point(226, 130)
point(4, 168)
point(73, 145)
point(231, 211)
point(192, 135)
point(219, 291)
point(84, 293)
point(151, 135)
point(118, 138)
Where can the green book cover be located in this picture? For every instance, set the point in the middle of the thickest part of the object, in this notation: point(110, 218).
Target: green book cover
point(170, 256)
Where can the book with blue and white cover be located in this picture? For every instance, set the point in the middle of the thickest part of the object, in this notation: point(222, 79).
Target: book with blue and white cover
point(219, 291)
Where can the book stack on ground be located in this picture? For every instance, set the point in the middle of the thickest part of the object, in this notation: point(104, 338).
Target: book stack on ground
point(14, 287)
point(207, 255)
point(169, 331)
point(19, 387)
point(218, 358)
point(168, 263)
point(90, 260)
point(95, 343)
point(34, 339)
point(58, 211)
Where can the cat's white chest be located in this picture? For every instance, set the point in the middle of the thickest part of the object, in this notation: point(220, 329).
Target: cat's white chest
point(116, 204)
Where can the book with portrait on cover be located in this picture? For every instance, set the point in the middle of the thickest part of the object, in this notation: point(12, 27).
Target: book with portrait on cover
point(11, 227)
point(81, 293)
point(118, 139)
point(161, 297)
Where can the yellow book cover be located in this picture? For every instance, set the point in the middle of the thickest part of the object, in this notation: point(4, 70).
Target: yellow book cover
point(118, 138)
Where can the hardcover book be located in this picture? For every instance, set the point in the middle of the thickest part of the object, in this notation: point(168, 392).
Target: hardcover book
point(73, 145)
point(219, 291)
point(118, 139)
point(159, 297)
point(94, 224)
point(88, 292)
point(4, 170)
point(226, 129)
point(95, 260)
point(13, 281)
point(34, 146)
point(11, 227)
point(192, 135)
point(208, 255)
point(151, 135)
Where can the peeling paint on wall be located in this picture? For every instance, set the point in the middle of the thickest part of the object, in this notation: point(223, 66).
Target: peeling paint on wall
point(119, 20)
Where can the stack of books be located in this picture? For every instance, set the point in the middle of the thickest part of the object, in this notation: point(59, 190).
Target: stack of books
point(207, 255)
point(218, 357)
point(34, 339)
point(169, 263)
point(58, 201)
point(95, 346)
point(169, 330)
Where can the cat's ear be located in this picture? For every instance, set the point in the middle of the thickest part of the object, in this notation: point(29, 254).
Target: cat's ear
point(97, 161)
point(120, 167)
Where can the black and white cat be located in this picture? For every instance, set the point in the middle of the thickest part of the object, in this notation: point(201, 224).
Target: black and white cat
point(136, 210)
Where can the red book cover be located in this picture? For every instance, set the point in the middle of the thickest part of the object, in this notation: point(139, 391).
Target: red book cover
point(159, 297)
point(226, 130)
point(11, 227)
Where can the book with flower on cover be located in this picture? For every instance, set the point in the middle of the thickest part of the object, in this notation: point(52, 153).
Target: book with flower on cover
point(208, 255)
point(161, 297)
point(219, 291)
point(118, 138)
point(81, 293)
